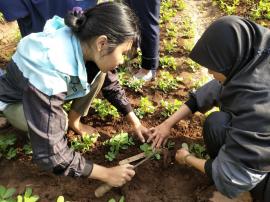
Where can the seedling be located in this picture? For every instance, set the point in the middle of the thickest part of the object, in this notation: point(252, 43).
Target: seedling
point(27, 196)
point(60, 199)
point(135, 84)
point(196, 149)
point(192, 65)
point(230, 9)
point(105, 109)
point(167, 82)
point(148, 151)
point(27, 149)
point(123, 78)
point(6, 149)
point(172, 30)
point(170, 107)
point(197, 83)
point(188, 28)
point(261, 11)
point(170, 144)
point(146, 107)
point(67, 106)
point(122, 199)
point(85, 143)
point(6, 194)
point(117, 142)
point(180, 5)
point(167, 62)
point(167, 11)
point(170, 45)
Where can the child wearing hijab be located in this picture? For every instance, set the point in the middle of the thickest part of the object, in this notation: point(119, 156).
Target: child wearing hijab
point(236, 52)
point(49, 68)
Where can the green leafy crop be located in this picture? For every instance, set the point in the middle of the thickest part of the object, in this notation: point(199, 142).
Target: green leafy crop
point(104, 108)
point(145, 107)
point(148, 151)
point(85, 143)
point(27, 197)
point(170, 107)
point(116, 143)
point(6, 194)
point(7, 142)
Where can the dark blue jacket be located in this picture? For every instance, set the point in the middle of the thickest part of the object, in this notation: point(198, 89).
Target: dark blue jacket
point(32, 14)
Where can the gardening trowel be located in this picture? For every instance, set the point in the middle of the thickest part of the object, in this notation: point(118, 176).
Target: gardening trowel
point(104, 188)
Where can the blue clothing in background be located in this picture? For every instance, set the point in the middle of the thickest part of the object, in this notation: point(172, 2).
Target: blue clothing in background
point(148, 12)
point(31, 15)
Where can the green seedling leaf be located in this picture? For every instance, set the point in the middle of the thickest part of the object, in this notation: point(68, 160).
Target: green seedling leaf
point(28, 192)
point(60, 199)
point(2, 191)
point(112, 200)
point(9, 192)
point(185, 146)
point(19, 198)
point(122, 199)
point(12, 152)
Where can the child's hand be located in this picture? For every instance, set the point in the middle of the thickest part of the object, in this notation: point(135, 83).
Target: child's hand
point(159, 135)
point(181, 155)
point(119, 175)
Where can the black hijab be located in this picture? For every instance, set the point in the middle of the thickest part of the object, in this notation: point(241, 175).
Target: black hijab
point(228, 45)
point(239, 49)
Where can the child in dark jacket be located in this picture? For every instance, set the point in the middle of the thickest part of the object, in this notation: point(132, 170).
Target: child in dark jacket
point(236, 52)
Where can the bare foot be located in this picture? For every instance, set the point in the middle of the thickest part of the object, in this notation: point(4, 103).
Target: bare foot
point(84, 129)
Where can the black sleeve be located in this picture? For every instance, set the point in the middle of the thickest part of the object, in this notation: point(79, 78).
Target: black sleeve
point(115, 94)
point(47, 123)
point(192, 104)
point(207, 96)
point(208, 168)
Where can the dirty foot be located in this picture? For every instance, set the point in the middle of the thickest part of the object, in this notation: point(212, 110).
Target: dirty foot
point(83, 129)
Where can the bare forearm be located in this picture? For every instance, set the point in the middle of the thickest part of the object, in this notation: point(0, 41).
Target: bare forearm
point(196, 163)
point(182, 113)
point(133, 119)
point(99, 173)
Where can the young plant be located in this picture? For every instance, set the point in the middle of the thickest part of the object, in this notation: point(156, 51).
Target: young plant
point(60, 199)
point(135, 84)
point(229, 8)
point(196, 149)
point(27, 149)
point(148, 151)
point(104, 108)
point(167, 81)
point(170, 107)
point(197, 83)
point(85, 143)
point(170, 45)
point(116, 143)
point(146, 107)
point(261, 11)
point(67, 106)
point(180, 5)
point(192, 65)
point(27, 196)
point(167, 62)
point(122, 199)
point(188, 28)
point(170, 144)
point(6, 194)
point(6, 149)
point(172, 30)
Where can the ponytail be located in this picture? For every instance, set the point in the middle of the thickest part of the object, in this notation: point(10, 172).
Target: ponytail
point(114, 20)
